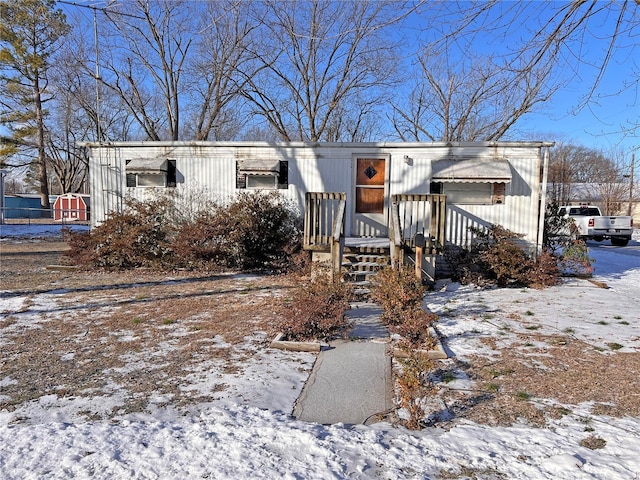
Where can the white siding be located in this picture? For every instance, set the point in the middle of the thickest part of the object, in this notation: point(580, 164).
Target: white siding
point(207, 166)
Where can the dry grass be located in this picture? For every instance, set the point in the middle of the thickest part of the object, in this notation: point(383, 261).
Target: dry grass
point(138, 332)
point(143, 333)
point(516, 385)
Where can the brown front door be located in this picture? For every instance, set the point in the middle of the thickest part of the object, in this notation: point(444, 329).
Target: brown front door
point(370, 193)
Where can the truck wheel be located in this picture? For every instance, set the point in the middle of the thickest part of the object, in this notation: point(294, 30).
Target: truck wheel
point(619, 241)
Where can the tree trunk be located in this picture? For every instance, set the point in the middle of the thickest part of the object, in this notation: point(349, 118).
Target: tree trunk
point(42, 157)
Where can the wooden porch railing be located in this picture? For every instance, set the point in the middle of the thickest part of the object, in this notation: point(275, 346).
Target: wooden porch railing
point(324, 222)
point(417, 214)
point(424, 214)
point(321, 211)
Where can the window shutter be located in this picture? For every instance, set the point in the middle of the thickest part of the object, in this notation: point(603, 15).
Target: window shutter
point(171, 173)
point(283, 176)
point(498, 193)
point(241, 177)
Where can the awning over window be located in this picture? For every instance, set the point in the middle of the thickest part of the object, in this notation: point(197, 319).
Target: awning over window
point(259, 167)
point(472, 170)
point(147, 165)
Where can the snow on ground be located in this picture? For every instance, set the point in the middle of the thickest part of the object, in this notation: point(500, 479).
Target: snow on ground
point(253, 436)
point(37, 230)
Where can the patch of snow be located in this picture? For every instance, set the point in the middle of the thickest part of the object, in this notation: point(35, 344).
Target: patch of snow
point(14, 231)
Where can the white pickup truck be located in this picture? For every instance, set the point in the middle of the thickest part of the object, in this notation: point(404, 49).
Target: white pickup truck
point(591, 224)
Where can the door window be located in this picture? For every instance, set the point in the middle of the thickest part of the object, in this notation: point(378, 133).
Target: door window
point(370, 185)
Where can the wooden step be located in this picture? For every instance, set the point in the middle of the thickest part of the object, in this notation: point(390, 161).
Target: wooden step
point(360, 263)
point(362, 266)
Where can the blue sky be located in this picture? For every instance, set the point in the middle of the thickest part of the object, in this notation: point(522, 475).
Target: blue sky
point(604, 121)
point(601, 123)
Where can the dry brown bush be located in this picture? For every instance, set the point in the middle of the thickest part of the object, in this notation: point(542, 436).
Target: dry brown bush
point(315, 310)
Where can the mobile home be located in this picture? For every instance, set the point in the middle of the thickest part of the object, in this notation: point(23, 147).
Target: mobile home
point(379, 186)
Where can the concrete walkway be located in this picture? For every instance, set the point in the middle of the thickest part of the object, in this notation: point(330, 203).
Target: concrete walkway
point(351, 380)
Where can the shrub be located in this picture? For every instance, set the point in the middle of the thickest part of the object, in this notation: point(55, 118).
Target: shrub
point(397, 289)
point(204, 242)
point(545, 272)
point(138, 237)
point(413, 387)
point(414, 328)
point(255, 230)
point(466, 266)
point(559, 231)
point(506, 261)
point(562, 240)
point(316, 310)
point(575, 259)
point(497, 258)
point(81, 250)
point(262, 227)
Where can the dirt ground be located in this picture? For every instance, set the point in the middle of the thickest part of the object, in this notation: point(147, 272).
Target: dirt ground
point(109, 321)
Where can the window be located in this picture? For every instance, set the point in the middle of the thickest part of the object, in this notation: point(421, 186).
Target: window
point(471, 181)
point(435, 188)
point(468, 193)
point(171, 173)
point(261, 174)
point(151, 172)
point(264, 182)
point(473, 193)
point(150, 180)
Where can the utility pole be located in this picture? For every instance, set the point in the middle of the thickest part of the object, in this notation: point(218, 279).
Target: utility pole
point(106, 11)
point(633, 163)
point(3, 173)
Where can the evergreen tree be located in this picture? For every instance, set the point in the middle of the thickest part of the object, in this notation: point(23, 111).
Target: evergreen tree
point(30, 33)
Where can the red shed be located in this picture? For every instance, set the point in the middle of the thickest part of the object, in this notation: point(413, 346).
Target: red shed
point(70, 207)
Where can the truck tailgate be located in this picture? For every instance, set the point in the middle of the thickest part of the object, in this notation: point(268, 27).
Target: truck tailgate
point(612, 222)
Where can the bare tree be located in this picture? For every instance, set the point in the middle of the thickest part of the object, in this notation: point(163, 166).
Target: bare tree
point(68, 164)
point(147, 49)
point(578, 173)
point(100, 114)
point(472, 100)
point(460, 98)
point(30, 33)
point(221, 49)
point(322, 66)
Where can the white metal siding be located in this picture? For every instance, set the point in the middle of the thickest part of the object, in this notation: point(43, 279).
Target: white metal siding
point(328, 167)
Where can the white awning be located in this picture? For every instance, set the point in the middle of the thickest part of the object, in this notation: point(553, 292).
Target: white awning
point(147, 165)
point(472, 170)
point(259, 167)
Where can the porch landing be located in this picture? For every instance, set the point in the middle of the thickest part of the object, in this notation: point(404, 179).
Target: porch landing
point(371, 242)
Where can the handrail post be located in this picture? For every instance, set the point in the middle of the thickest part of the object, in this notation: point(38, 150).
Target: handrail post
point(324, 226)
point(417, 216)
point(395, 234)
point(337, 240)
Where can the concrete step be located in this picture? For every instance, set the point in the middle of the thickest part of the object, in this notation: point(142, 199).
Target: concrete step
point(367, 257)
point(367, 250)
point(360, 262)
point(359, 276)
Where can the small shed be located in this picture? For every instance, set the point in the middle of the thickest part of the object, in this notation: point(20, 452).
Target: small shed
point(22, 206)
point(70, 207)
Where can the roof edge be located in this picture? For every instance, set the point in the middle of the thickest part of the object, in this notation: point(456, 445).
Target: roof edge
point(200, 143)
